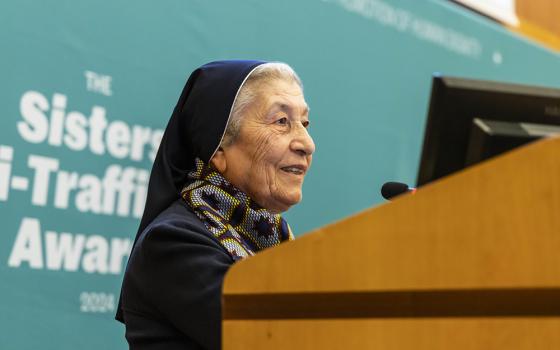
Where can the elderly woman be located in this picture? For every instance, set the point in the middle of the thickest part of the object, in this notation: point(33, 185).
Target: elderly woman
point(233, 157)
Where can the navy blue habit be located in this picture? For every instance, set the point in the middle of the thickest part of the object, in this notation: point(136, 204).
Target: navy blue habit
point(171, 292)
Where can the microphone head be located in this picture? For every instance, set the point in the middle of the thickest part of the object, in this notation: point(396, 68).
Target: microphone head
point(392, 189)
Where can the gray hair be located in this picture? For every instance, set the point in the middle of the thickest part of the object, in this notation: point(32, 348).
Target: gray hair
point(249, 92)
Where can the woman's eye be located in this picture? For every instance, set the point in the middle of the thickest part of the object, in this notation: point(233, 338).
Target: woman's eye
point(282, 121)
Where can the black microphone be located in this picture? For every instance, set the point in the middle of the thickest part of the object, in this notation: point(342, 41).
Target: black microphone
point(392, 189)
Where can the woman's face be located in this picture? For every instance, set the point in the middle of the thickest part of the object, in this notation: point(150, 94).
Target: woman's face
point(273, 150)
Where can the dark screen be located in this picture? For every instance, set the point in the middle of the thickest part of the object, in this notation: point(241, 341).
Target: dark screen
point(455, 102)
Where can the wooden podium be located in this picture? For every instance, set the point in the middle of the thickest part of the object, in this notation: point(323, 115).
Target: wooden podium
point(469, 262)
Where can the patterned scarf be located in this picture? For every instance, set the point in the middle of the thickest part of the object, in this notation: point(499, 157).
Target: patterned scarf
point(241, 225)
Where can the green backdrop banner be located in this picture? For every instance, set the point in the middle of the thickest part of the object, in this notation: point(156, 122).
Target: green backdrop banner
point(86, 88)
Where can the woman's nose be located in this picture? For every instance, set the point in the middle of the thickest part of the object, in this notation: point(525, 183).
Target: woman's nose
point(302, 142)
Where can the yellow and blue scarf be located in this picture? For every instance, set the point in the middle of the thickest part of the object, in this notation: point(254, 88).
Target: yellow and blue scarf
point(241, 226)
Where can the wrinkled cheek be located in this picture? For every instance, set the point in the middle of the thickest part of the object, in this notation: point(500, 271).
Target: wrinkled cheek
point(262, 147)
point(262, 166)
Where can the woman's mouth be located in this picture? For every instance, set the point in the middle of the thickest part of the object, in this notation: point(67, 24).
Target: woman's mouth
point(294, 169)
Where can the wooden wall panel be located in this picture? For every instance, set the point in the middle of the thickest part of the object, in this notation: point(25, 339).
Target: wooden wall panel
point(539, 20)
point(544, 13)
